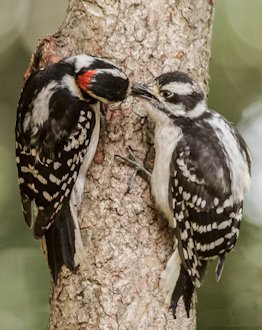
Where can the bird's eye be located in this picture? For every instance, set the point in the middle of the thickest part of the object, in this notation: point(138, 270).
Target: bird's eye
point(165, 93)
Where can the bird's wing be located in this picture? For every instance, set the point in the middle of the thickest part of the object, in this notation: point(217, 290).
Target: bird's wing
point(206, 216)
point(50, 154)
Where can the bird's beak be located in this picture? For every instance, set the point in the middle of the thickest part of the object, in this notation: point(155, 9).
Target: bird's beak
point(142, 90)
point(150, 93)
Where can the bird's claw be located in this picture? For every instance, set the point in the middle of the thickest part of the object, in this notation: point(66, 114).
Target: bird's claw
point(138, 166)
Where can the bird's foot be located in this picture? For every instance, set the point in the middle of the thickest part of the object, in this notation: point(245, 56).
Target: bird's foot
point(138, 166)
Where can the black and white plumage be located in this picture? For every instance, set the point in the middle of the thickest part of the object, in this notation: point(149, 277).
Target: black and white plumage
point(200, 176)
point(57, 131)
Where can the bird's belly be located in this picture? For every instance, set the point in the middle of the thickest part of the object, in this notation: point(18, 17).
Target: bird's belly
point(160, 192)
point(90, 152)
point(166, 139)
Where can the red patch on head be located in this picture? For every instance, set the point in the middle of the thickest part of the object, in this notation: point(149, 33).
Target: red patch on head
point(85, 79)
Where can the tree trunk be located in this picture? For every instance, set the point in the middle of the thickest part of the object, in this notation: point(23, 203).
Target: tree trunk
point(127, 245)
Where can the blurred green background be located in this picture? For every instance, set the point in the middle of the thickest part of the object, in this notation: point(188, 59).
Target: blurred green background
point(235, 91)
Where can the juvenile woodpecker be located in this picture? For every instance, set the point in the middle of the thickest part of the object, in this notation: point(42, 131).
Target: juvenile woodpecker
point(57, 131)
point(200, 176)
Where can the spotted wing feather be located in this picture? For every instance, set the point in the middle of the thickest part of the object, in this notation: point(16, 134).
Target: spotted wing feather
point(207, 218)
point(49, 157)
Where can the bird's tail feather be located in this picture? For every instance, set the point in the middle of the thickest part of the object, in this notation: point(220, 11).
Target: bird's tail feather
point(175, 282)
point(59, 242)
point(170, 275)
point(185, 288)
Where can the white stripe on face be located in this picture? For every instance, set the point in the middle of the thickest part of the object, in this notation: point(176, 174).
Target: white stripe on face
point(113, 72)
point(81, 61)
point(179, 88)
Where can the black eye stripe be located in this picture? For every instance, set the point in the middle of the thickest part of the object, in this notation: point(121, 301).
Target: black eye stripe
point(189, 101)
point(175, 98)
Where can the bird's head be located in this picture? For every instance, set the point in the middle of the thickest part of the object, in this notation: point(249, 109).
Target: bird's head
point(100, 79)
point(172, 94)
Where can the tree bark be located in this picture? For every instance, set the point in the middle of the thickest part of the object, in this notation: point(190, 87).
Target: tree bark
point(127, 245)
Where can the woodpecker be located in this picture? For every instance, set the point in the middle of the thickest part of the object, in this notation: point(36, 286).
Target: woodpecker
point(57, 131)
point(200, 176)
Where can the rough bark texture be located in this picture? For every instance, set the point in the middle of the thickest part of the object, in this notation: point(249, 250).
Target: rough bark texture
point(127, 245)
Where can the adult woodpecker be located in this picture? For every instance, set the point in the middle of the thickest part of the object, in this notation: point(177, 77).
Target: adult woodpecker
point(200, 176)
point(57, 131)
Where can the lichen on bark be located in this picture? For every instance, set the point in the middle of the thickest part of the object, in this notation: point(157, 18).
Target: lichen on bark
point(127, 244)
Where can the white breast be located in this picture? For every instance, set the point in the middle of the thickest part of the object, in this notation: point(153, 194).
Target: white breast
point(93, 142)
point(80, 182)
point(166, 138)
